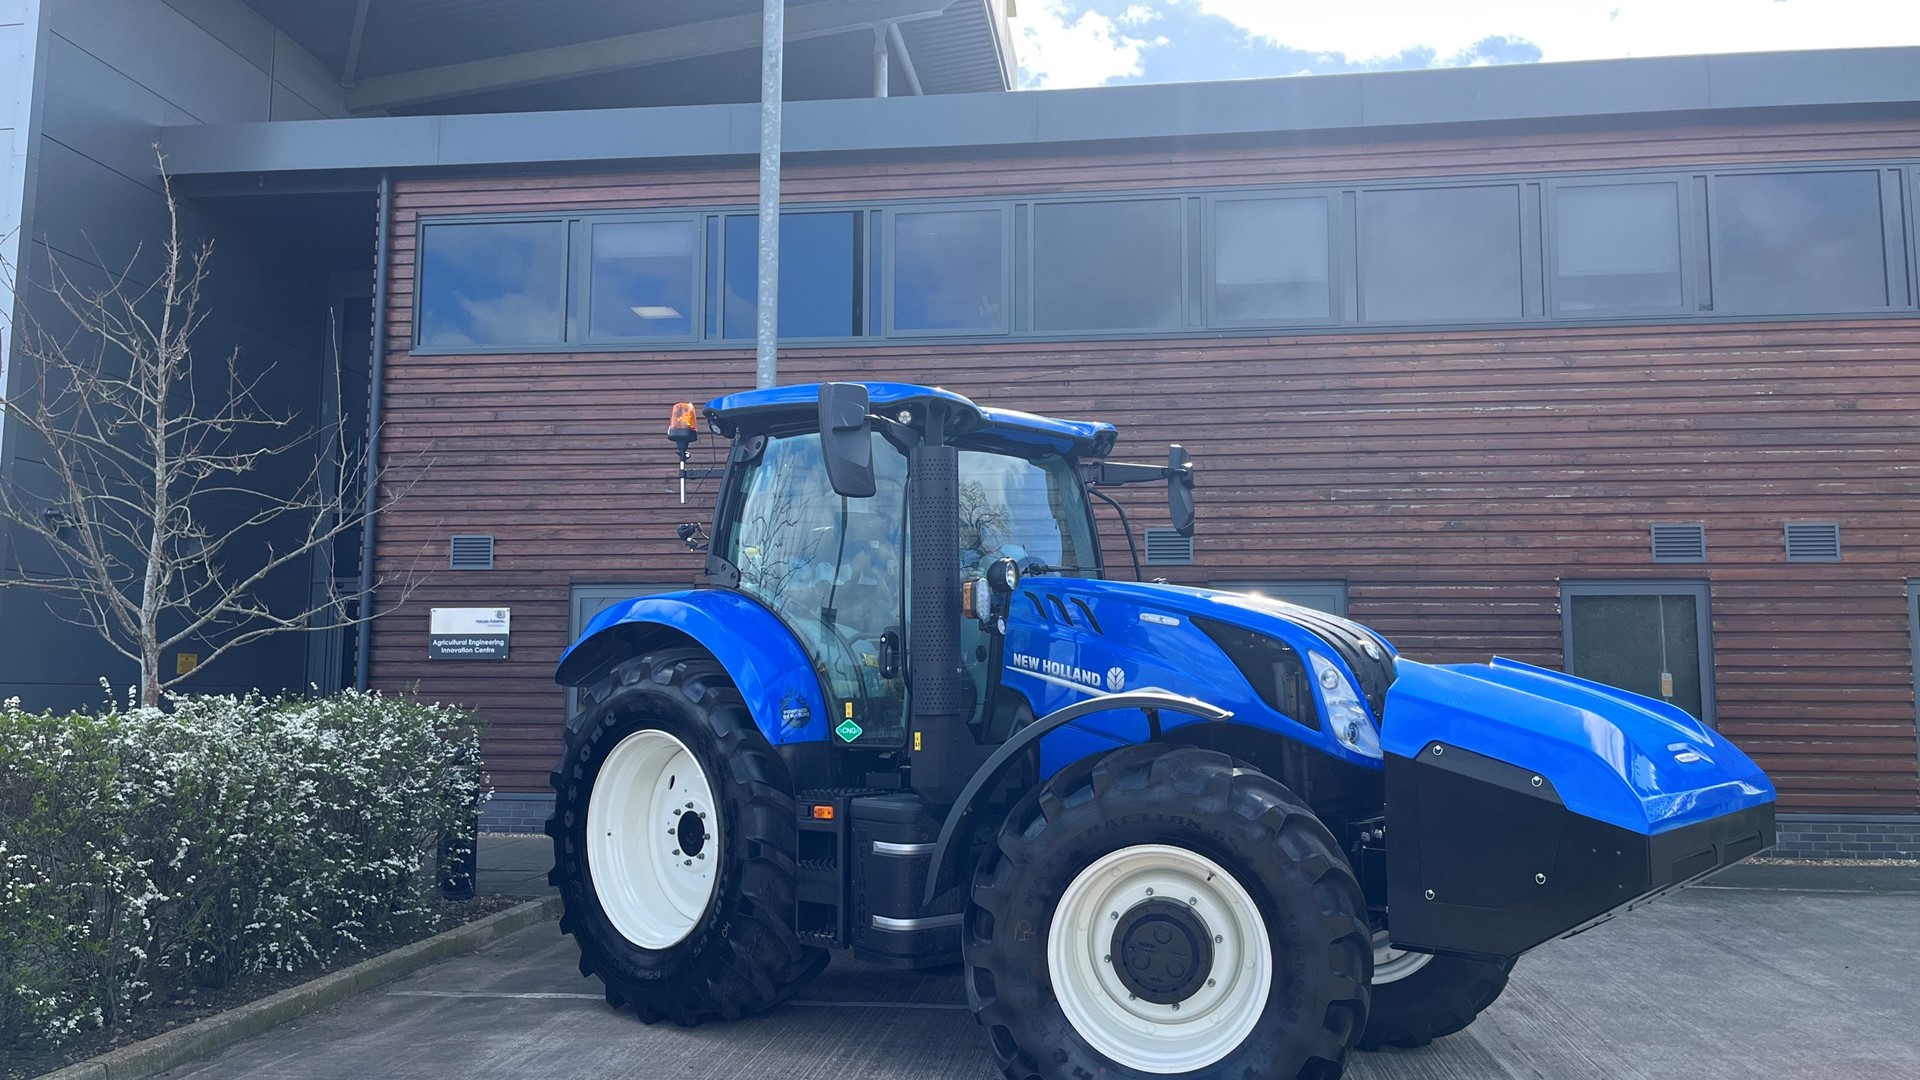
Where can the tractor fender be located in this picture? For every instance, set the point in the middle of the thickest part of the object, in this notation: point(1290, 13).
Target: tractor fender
point(987, 776)
point(759, 653)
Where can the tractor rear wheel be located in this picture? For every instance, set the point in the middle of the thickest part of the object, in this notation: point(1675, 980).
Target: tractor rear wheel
point(673, 840)
point(1419, 997)
point(1166, 911)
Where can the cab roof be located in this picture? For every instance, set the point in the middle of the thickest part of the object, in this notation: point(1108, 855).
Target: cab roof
point(990, 428)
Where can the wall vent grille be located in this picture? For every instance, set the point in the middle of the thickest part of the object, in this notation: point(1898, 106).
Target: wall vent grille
point(470, 551)
point(1679, 543)
point(1166, 547)
point(1813, 541)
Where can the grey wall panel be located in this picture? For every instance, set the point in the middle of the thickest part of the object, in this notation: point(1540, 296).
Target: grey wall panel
point(233, 24)
point(96, 111)
point(288, 105)
point(296, 69)
point(157, 46)
point(92, 215)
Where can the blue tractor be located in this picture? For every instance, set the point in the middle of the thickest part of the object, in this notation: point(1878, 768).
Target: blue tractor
point(1162, 831)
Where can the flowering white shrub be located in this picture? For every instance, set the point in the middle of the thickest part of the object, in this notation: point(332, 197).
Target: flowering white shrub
point(148, 851)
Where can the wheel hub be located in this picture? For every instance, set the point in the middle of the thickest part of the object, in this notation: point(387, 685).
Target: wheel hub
point(1162, 951)
point(691, 832)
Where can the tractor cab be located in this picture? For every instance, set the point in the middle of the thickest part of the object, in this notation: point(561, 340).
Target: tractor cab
point(814, 523)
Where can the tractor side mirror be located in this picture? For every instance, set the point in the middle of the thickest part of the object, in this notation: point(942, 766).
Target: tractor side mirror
point(1180, 488)
point(844, 441)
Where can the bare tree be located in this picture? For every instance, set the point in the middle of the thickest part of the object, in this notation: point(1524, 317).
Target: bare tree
point(154, 503)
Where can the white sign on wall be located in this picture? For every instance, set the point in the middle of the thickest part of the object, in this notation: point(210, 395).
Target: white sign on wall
point(468, 633)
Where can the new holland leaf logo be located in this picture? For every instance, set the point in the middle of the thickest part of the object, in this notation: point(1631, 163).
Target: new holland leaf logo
point(848, 730)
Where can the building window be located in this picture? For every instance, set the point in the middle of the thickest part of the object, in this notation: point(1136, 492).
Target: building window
point(1798, 243)
point(819, 276)
point(1270, 261)
point(643, 275)
point(949, 271)
point(1648, 637)
point(1440, 254)
point(1327, 596)
point(1616, 249)
point(493, 283)
point(1109, 265)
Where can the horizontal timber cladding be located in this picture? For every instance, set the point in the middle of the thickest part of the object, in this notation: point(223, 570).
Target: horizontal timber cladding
point(1452, 480)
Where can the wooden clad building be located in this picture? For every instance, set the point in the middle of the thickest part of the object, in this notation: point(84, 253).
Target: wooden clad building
point(1469, 484)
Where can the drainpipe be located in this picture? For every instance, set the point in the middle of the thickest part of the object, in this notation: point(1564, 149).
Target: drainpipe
point(773, 32)
point(376, 387)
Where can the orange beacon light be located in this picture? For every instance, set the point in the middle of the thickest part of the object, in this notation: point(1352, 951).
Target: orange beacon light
point(683, 429)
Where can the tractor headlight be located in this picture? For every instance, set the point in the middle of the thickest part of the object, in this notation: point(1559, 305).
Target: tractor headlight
point(1347, 716)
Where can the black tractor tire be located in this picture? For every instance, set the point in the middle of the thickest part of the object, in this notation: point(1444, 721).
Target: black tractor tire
point(742, 955)
point(1206, 803)
point(1443, 997)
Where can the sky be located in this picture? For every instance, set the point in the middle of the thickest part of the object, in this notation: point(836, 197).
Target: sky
point(1066, 43)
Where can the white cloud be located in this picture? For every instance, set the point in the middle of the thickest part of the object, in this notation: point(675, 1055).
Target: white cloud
point(1059, 48)
point(1572, 29)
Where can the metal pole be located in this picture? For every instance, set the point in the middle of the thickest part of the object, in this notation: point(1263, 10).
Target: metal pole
point(772, 62)
point(370, 457)
point(880, 59)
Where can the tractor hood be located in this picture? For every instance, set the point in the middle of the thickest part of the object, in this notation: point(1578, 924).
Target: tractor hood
point(1615, 756)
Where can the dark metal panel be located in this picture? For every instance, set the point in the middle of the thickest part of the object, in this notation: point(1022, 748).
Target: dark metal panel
point(239, 28)
point(91, 214)
point(158, 47)
point(99, 112)
point(288, 105)
point(299, 71)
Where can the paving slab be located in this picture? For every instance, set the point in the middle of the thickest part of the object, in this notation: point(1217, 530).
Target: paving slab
point(1727, 982)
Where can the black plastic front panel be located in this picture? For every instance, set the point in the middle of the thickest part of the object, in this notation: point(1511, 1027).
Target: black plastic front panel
point(1482, 862)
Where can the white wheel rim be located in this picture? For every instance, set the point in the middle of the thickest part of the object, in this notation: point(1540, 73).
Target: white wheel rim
point(1139, 1034)
point(653, 839)
point(1390, 965)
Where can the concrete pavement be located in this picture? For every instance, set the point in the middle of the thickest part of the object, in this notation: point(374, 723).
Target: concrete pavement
point(1727, 981)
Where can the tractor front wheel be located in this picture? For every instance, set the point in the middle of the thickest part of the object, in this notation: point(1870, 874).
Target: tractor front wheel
point(1166, 911)
point(673, 840)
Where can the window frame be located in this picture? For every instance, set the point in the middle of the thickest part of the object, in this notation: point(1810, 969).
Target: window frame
point(862, 271)
point(1529, 268)
point(1687, 229)
point(1030, 262)
point(1889, 242)
point(418, 300)
point(1701, 589)
point(889, 277)
point(1210, 235)
point(580, 290)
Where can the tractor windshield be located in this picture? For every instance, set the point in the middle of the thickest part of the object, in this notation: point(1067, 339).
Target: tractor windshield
point(1028, 510)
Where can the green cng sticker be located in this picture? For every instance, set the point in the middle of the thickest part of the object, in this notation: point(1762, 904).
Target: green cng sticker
point(848, 730)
